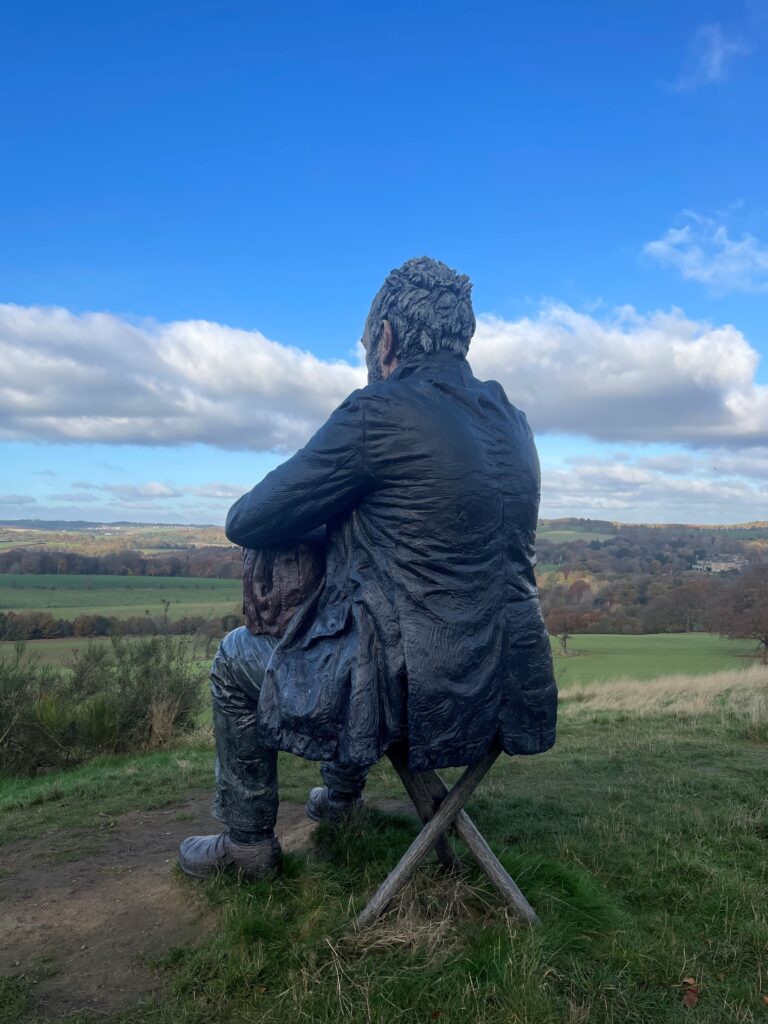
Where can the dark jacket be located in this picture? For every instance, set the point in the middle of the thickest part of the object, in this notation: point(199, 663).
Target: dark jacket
point(428, 620)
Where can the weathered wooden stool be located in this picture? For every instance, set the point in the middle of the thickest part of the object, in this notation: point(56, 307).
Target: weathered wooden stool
point(440, 810)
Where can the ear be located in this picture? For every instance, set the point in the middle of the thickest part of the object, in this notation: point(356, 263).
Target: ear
point(386, 343)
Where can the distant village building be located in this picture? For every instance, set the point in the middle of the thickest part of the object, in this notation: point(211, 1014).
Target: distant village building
point(721, 563)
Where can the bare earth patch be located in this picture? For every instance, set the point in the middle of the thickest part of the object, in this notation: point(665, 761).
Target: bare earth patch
point(79, 913)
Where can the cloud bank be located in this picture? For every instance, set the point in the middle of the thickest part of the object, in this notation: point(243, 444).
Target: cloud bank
point(624, 377)
point(99, 377)
point(716, 486)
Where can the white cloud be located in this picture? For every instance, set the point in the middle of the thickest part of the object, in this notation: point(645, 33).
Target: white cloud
point(73, 496)
point(628, 377)
point(133, 496)
point(141, 492)
point(715, 489)
point(710, 55)
point(99, 377)
point(14, 500)
point(702, 250)
point(125, 496)
point(625, 377)
point(219, 491)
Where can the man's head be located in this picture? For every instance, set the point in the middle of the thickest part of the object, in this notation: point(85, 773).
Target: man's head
point(277, 582)
point(421, 308)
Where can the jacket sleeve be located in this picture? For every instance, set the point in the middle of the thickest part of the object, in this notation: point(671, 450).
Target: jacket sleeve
point(320, 482)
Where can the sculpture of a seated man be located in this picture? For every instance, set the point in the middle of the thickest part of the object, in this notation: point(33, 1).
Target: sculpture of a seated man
point(426, 625)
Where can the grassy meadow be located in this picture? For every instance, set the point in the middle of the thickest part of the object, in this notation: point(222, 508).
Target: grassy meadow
point(121, 596)
point(639, 839)
point(590, 656)
point(606, 656)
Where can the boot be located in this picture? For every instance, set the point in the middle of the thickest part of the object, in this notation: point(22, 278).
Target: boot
point(321, 806)
point(202, 856)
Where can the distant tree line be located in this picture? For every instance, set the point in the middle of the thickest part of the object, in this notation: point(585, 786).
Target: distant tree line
point(625, 551)
point(34, 625)
point(205, 563)
point(646, 550)
point(733, 605)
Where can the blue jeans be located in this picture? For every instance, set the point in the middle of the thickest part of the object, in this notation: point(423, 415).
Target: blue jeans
point(246, 772)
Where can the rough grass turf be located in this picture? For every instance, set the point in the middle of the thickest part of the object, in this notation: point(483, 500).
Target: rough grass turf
point(640, 840)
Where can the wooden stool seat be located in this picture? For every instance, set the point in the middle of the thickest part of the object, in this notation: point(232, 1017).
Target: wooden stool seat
point(441, 809)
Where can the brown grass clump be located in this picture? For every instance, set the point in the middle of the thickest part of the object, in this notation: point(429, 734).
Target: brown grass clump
point(424, 917)
point(741, 692)
point(163, 714)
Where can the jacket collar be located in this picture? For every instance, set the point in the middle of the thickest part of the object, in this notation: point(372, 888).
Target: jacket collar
point(436, 364)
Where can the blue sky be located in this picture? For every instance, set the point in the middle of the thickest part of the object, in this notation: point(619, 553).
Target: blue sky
point(225, 185)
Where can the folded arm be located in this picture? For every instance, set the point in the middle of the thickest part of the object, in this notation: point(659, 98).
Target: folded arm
point(320, 482)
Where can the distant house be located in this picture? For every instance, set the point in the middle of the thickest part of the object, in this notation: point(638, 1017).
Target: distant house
point(721, 563)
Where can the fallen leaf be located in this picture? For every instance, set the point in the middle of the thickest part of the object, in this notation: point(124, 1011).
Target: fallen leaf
point(435, 1014)
point(691, 994)
point(765, 1000)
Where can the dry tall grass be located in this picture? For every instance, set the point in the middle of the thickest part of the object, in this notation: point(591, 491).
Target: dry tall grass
point(742, 692)
point(163, 717)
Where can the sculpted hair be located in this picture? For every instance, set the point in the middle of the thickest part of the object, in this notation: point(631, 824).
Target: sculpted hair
point(429, 306)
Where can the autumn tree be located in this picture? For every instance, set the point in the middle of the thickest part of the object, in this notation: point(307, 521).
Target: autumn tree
point(563, 622)
point(747, 614)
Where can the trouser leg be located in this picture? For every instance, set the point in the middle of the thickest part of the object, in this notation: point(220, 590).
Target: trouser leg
point(344, 782)
point(246, 773)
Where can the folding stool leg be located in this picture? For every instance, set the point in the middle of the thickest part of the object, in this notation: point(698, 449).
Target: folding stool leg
point(427, 794)
point(503, 882)
point(428, 837)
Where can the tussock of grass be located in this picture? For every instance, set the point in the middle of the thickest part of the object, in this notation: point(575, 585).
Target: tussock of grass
point(428, 916)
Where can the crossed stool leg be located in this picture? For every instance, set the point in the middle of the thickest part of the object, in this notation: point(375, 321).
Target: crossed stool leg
point(440, 809)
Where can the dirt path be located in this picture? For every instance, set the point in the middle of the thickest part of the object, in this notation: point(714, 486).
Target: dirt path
point(80, 912)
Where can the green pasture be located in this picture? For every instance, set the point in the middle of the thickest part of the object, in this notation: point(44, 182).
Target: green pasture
point(648, 656)
point(55, 652)
point(120, 596)
point(62, 652)
point(591, 656)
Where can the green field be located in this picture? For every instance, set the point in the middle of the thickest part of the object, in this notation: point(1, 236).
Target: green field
point(62, 652)
point(120, 596)
point(610, 656)
point(591, 657)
